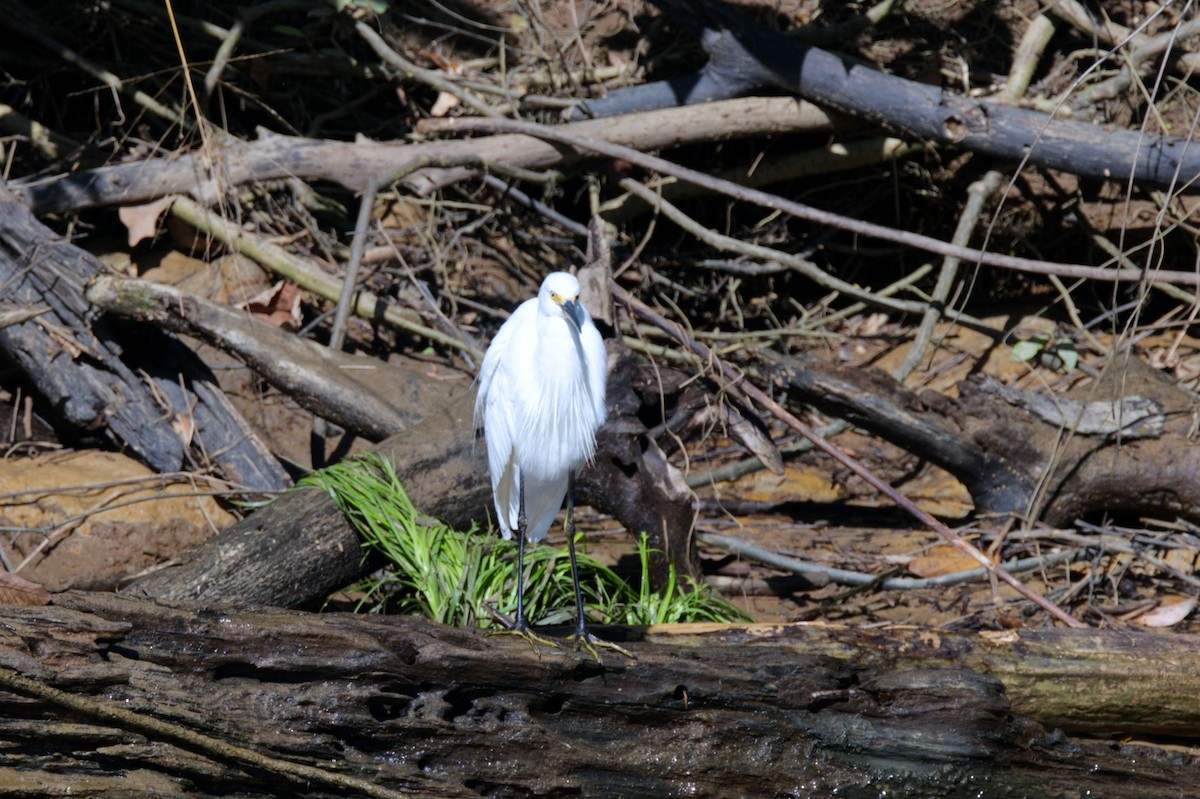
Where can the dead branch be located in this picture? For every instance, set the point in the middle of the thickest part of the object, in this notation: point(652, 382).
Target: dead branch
point(349, 164)
point(1039, 456)
point(198, 700)
point(320, 379)
point(745, 55)
point(82, 368)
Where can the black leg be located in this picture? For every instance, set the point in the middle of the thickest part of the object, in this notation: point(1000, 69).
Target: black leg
point(583, 639)
point(581, 629)
point(522, 526)
point(521, 625)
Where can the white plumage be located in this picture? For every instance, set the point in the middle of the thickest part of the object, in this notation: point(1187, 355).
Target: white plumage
point(541, 400)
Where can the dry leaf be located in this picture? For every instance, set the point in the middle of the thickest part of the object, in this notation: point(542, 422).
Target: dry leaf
point(16, 590)
point(278, 305)
point(797, 484)
point(752, 436)
point(873, 324)
point(942, 560)
point(1168, 615)
point(184, 427)
point(442, 105)
point(142, 220)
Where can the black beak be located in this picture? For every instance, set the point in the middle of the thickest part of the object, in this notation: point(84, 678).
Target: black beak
point(573, 311)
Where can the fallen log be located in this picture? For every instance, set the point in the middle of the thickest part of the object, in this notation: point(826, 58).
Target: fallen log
point(203, 701)
point(1120, 444)
point(423, 164)
point(80, 367)
point(745, 55)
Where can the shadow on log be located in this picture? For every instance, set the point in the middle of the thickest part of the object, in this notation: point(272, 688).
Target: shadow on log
point(186, 699)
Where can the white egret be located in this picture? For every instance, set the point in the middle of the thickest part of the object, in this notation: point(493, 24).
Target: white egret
point(541, 400)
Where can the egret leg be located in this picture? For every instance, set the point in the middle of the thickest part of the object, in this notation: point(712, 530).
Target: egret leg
point(583, 638)
point(521, 625)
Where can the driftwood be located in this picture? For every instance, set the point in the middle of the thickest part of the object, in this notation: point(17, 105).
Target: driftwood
point(80, 366)
point(745, 55)
point(424, 166)
point(1119, 445)
point(148, 700)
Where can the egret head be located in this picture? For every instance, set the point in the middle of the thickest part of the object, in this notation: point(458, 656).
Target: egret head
point(559, 297)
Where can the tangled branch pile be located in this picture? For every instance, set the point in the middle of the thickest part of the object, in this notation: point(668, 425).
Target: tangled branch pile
point(970, 178)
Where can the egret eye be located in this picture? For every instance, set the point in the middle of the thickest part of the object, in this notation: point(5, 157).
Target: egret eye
point(557, 299)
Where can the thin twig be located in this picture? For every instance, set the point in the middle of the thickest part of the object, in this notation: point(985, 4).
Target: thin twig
point(430, 77)
point(16, 20)
point(938, 305)
point(737, 382)
point(769, 557)
point(337, 333)
point(308, 277)
point(795, 263)
point(807, 212)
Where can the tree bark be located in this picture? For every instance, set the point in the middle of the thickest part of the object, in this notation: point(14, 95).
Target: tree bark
point(202, 701)
point(745, 55)
point(321, 380)
point(1013, 460)
point(80, 367)
point(425, 166)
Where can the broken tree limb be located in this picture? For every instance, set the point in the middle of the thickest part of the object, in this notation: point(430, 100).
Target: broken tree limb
point(78, 364)
point(1035, 455)
point(349, 164)
point(252, 700)
point(745, 55)
point(321, 380)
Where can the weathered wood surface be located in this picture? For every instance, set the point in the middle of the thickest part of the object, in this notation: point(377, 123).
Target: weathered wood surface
point(425, 166)
point(431, 711)
point(321, 380)
point(746, 55)
point(1014, 461)
point(80, 365)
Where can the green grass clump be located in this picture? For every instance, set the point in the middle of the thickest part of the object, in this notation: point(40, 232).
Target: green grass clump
point(453, 577)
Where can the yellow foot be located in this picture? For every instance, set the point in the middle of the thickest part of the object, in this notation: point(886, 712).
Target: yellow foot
point(584, 640)
point(531, 638)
